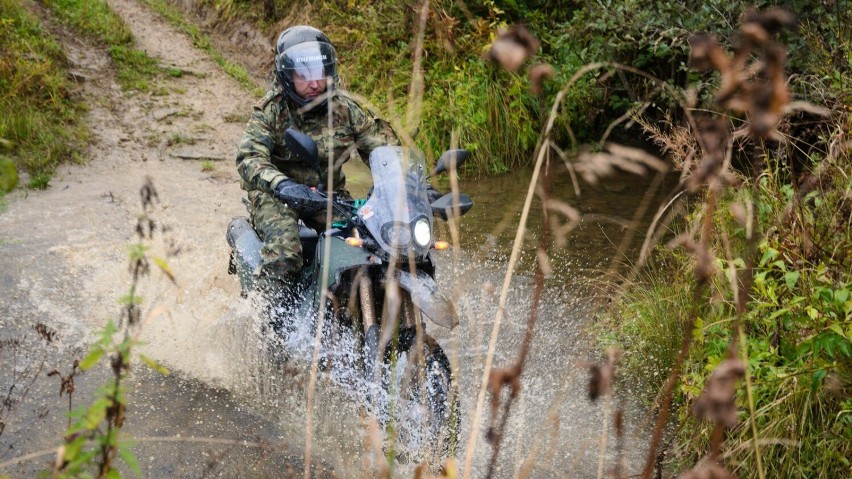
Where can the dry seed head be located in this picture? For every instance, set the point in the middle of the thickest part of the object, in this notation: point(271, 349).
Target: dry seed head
point(512, 47)
point(717, 402)
point(714, 136)
point(602, 375)
point(706, 54)
point(538, 74)
point(770, 21)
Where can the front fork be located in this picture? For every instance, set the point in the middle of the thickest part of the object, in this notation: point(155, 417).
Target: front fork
point(372, 330)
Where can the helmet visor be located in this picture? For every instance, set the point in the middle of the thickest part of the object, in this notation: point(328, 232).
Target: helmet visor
point(308, 61)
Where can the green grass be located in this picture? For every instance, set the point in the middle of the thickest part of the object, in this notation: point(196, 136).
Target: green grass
point(39, 118)
point(40, 181)
point(203, 42)
point(180, 139)
point(208, 166)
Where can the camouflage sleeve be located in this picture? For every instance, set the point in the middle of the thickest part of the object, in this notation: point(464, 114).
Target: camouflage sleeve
point(254, 153)
point(370, 132)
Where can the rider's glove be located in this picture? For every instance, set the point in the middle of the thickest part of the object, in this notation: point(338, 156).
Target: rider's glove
point(299, 197)
point(432, 193)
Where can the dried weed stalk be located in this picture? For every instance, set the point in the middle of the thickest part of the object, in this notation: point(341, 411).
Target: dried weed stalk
point(758, 89)
point(93, 441)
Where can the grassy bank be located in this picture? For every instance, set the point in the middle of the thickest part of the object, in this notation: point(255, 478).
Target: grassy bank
point(40, 123)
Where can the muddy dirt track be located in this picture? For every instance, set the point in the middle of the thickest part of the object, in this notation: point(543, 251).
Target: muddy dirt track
point(63, 256)
point(71, 240)
point(63, 263)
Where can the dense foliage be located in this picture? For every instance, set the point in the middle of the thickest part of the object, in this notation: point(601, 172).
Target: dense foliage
point(794, 330)
point(470, 101)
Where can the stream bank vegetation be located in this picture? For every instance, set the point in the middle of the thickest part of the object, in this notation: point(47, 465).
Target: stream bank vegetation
point(740, 329)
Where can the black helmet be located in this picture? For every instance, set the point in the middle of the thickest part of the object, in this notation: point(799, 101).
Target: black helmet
point(308, 52)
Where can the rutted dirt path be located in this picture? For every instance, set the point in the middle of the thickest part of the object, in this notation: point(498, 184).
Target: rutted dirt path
point(63, 263)
point(84, 221)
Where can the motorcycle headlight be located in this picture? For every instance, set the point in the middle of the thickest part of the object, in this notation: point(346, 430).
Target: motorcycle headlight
point(396, 234)
point(422, 232)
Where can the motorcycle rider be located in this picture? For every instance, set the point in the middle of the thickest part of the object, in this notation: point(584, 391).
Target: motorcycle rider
point(304, 95)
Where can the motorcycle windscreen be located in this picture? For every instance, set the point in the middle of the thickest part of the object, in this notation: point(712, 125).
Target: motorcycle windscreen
point(425, 295)
point(398, 198)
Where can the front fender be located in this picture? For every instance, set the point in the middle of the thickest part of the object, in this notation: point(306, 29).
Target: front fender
point(426, 296)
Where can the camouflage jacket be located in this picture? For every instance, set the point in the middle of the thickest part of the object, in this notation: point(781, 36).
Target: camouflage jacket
point(263, 160)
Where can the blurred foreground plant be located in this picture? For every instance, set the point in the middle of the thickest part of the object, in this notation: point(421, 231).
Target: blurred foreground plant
point(93, 442)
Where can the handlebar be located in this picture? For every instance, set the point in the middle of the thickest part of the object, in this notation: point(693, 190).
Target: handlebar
point(345, 207)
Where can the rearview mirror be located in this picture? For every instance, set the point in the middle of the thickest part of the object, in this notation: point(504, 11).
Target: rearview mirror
point(443, 206)
point(450, 160)
point(303, 146)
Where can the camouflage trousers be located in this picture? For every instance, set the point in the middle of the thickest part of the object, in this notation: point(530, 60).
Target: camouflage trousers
point(278, 228)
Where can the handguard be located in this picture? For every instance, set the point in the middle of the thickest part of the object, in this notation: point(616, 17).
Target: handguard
point(301, 198)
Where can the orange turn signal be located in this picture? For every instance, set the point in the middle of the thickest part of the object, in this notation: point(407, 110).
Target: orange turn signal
point(441, 245)
point(354, 241)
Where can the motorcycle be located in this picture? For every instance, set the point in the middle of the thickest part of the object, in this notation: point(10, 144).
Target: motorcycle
point(372, 274)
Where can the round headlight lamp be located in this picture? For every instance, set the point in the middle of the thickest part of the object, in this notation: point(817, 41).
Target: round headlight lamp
point(422, 232)
point(396, 234)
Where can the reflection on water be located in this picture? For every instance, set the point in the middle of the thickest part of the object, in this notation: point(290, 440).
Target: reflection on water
point(608, 209)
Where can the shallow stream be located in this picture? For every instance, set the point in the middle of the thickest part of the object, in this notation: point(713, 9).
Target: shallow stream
point(230, 411)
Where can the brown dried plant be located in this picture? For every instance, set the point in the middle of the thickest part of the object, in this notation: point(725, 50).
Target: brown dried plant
point(512, 47)
point(716, 404)
point(753, 79)
point(753, 83)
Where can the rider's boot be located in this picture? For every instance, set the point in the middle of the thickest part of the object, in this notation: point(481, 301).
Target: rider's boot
point(277, 290)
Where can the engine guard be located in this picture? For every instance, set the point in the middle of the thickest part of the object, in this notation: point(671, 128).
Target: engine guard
point(425, 295)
